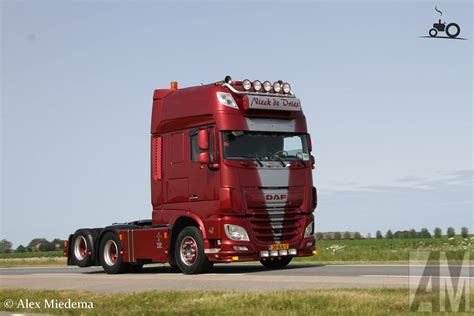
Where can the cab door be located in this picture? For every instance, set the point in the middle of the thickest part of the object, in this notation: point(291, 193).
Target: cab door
point(204, 181)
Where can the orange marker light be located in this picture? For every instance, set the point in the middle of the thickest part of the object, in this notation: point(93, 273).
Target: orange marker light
point(174, 85)
point(120, 236)
point(165, 235)
point(65, 244)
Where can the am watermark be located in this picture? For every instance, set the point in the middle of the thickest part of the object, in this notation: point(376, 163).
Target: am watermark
point(439, 281)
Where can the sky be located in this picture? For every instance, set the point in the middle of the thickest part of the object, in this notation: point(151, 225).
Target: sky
point(389, 111)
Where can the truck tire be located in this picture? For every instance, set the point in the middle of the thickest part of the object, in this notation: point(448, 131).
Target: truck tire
point(189, 252)
point(276, 263)
point(83, 248)
point(110, 256)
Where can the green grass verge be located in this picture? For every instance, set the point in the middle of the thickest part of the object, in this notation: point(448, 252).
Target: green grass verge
point(32, 262)
point(386, 250)
point(36, 254)
point(295, 302)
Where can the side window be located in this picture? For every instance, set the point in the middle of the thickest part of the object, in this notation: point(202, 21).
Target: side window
point(194, 148)
point(193, 140)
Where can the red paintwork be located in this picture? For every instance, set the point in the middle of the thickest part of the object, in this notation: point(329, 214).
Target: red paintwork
point(230, 192)
point(225, 192)
point(145, 244)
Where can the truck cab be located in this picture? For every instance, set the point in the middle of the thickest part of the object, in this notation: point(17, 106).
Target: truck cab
point(233, 159)
point(231, 181)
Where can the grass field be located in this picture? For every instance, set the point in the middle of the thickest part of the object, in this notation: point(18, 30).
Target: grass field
point(330, 251)
point(296, 302)
point(387, 250)
point(36, 254)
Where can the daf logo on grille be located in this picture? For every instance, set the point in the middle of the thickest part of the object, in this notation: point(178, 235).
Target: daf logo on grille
point(275, 197)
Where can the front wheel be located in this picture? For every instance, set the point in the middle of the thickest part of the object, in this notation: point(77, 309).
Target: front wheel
point(433, 32)
point(189, 252)
point(276, 263)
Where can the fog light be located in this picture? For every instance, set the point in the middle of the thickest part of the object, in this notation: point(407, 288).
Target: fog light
point(292, 252)
point(283, 252)
point(274, 253)
point(264, 254)
point(241, 248)
point(315, 252)
point(235, 258)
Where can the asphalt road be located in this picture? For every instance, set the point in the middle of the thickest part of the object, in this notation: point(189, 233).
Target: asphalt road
point(228, 278)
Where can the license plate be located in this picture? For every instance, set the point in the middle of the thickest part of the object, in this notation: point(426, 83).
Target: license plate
point(279, 247)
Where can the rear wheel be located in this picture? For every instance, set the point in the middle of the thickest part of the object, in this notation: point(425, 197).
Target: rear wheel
point(189, 252)
point(110, 256)
point(82, 248)
point(276, 263)
point(453, 30)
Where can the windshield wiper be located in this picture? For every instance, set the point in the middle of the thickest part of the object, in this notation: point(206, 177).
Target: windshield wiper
point(260, 164)
point(299, 158)
point(281, 161)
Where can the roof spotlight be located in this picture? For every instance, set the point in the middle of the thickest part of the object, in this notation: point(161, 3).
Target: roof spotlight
point(228, 79)
point(286, 87)
point(257, 85)
point(277, 87)
point(246, 84)
point(267, 86)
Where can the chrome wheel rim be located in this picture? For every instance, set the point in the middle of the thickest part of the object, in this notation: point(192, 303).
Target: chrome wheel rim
point(110, 252)
point(188, 250)
point(80, 248)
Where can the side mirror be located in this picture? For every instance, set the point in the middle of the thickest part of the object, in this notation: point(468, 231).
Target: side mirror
point(203, 140)
point(204, 158)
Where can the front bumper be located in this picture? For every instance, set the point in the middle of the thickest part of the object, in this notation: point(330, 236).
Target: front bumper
point(226, 250)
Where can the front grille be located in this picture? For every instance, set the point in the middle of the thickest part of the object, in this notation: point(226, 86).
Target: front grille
point(275, 224)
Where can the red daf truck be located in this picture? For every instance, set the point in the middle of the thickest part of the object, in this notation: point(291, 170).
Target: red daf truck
point(231, 181)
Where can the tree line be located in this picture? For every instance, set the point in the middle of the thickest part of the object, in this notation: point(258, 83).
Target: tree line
point(423, 233)
point(37, 244)
point(412, 233)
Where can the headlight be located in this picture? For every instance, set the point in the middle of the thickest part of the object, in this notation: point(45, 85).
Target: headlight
point(257, 85)
point(286, 87)
point(235, 232)
point(309, 231)
point(277, 87)
point(267, 86)
point(246, 84)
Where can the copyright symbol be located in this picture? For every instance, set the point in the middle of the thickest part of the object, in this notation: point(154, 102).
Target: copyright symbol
point(8, 303)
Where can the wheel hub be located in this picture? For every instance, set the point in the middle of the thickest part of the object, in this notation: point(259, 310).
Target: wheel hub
point(188, 250)
point(110, 252)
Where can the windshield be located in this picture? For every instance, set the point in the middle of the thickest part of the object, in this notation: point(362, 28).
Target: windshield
point(264, 145)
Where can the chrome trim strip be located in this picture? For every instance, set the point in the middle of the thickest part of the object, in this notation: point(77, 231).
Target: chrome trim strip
point(281, 95)
point(212, 250)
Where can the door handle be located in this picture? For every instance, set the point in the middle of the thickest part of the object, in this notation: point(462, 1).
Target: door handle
point(193, 197)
